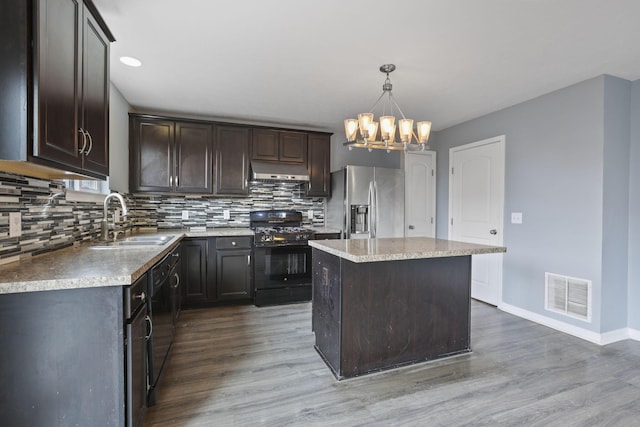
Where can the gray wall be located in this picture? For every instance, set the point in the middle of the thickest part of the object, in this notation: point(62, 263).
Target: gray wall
point(554, 176)
point(634, 210)
point(118, 141)
point(615, 204)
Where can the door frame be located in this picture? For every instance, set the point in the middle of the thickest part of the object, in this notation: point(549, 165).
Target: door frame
point(434, 186)
point(501, 141)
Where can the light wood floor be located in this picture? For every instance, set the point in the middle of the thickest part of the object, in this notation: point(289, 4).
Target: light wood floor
point(248, 366)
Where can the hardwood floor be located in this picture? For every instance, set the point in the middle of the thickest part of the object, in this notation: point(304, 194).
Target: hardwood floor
point(248, 366)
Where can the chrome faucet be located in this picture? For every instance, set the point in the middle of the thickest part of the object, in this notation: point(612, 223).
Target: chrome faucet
point(104, 225)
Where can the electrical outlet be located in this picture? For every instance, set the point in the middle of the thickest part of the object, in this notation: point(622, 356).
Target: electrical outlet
point(226, 214)
point(15, 224)
point(516, 217)
point(116, 216)
point(185, 214)
point(310, 214)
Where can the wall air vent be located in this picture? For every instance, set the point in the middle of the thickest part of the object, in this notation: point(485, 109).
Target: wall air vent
point(568, 295)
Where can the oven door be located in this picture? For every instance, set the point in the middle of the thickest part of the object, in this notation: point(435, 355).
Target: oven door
point(277, 267)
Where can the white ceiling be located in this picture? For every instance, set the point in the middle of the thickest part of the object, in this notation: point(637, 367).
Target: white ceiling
point(314, 63)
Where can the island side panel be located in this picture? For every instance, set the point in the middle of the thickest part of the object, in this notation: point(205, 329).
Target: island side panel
point(401, 312)
point(62, 357)
point(327, 307)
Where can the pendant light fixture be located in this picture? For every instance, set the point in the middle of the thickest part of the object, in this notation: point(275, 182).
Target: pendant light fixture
point(363, 131)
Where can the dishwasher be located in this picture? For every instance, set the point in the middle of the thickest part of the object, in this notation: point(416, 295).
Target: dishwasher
point(137, 325)
point(162, 311)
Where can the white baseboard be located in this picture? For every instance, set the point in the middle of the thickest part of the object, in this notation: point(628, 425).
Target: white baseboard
point(594, 337)
point(634, 334)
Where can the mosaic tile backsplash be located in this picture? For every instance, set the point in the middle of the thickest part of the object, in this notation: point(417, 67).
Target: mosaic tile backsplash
point(205, 211)
point(51, 222)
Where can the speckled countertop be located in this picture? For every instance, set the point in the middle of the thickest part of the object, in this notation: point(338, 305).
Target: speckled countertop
point(394, 249)
point(85, 266)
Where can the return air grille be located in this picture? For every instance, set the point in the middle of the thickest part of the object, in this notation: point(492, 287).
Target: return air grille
point(568, 295)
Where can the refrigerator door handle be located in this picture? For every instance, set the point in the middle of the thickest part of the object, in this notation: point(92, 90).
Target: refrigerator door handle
point(375, 209)
point(370, 215)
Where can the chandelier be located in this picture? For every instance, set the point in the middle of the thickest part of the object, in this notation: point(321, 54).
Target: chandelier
point(363, 131)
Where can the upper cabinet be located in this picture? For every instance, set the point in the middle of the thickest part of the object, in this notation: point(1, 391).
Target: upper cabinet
point(319, 164)
point(279, 146)
point(170, 156)
point(232, 160)
point(64, 124)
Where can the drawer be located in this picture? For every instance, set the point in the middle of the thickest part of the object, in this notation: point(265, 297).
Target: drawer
point(239, 242)
point(135, 295)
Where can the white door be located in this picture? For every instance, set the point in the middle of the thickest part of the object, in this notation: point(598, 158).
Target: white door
point(420, 194)
point(476, 205)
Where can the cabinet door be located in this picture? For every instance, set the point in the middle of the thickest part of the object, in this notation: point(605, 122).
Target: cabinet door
point(319, 165)
point(194, 157)
point(233, 274)
point(232, 160)
point(195, 289)
point(95, 96)
point(151, 155)
point(136, 369)
point(264, 144)
point(293, 147)
point(57, 81)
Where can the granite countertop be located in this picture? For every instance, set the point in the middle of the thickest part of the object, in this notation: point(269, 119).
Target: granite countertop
point(393, 249)
point(85, 265)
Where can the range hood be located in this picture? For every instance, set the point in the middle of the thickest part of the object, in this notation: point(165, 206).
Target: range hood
point(272, 171)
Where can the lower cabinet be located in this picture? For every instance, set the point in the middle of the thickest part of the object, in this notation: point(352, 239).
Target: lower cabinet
point(195, 274)
point(233, 267)
point(216, 269)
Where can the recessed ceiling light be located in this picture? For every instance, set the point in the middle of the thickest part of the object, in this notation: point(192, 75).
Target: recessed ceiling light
point(130, 61)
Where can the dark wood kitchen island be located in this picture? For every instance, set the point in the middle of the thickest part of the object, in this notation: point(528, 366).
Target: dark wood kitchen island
point(384, 303)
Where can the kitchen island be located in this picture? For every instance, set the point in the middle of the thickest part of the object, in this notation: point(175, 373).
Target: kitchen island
point(385, 303)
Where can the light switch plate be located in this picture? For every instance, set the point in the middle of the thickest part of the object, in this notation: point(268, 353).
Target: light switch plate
point(310, 214)
point(15, 224)
point(185, 214)
point(226, 214)
point(516, 217)
point(116, 216)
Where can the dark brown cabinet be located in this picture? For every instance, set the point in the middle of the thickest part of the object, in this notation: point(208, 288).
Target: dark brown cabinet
point(216, 269)
point(168, 156)
point(233, 266)
point(231, 169)
point(279, 146)
point(172, 155)
point(60, 104)
point(319, 164)
point(195, 276)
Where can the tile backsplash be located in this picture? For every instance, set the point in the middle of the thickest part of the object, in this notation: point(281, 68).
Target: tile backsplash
point(50, 222)
point(206, 211)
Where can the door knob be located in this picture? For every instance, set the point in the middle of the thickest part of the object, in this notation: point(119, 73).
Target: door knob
point(494, 231)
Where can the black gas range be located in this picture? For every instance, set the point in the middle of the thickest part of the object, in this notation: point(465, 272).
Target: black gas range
point(282, 257)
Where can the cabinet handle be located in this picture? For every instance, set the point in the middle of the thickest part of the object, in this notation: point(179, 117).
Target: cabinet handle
point(233, 243)
point(176, 180)
point(148, 319)
point(177, 280)
point(171, 181)
point(142, 297)
point(90, 144)
point(84, 140)
point(248, 259)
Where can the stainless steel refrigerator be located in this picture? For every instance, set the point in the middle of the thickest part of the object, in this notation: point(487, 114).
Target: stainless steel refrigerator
point(367, 202)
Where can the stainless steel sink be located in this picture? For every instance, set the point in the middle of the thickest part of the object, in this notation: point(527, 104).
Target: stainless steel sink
point(146, 240)
point(133, 242)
